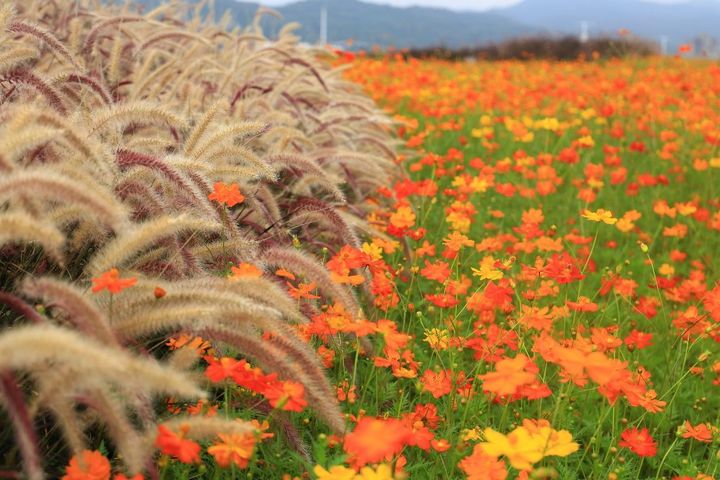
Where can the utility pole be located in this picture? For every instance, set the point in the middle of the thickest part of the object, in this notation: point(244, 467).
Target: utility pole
point(664, 44)
point(584, 31)
point(323, 26)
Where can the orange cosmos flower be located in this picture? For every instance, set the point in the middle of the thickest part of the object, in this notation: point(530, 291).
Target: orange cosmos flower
point(347, 259)
point(509, 375)
point(437, 383)
point(288, 395)
point(176, 445)
point(700, 432)
point(456, 241)
point(281, 272)
point(228, 194)
point(88, 465)
point(112, 282)
point(302, 290)
point(233, 449)
point(219, 370)
point(438, 271)
point(584, 304)
point(639, 442)
point(440, 445)
point(481, 466)
point(245, 270)
point(403, 218)
point(375, 440)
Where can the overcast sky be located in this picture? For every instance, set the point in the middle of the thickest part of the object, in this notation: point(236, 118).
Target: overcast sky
point(453, 4)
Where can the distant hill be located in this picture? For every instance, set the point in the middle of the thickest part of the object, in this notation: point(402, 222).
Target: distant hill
point(681, 22)
point(369, 24)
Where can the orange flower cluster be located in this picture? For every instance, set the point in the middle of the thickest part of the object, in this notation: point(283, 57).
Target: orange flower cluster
point(285, 395)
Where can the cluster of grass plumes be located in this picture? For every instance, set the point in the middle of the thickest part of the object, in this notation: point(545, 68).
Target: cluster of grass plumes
point(115, 128)
point(545, 48)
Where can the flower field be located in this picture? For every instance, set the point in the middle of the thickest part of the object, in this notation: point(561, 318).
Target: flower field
point(228, 257)
point(560, 291)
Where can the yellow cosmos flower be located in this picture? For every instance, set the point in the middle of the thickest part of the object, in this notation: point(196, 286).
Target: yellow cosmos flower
point(381, 472)
point(600, 215)
point(586, 141)
point(437, 339)
point(338, 472)
point(488, 270)
point(529, 443)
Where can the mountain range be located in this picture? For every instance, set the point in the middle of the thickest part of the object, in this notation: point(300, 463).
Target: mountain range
point(369, 24)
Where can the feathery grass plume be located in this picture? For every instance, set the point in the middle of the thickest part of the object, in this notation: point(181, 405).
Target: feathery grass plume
point(11, 399)
point(79, 137)
point(358, 224)
point(53, 396)
point(47, 38)
point(317, 210)
point(212, 289)
point(92, 35)
point(23, 228)
point(29, 348)
point(17, 56)
point(79, 309)
point(94, 85)
point(7, 13)
point(15, 143)
point(170, 318)
point(238, 154)
point(303, 164)
point(19, 75)
point(145, 74)
point(142, 112)
point(241, 130)
point(284, 138)
point(130, 242)
point(133, 446)
point(173, 35)
point(128, 158)
point(21, 308)
point(266, 202)
point(113, 69)
point(270, 294)
point(180, 310)
point(201, 126)
point(204, 428)
point(56, 187)
point(224, 251)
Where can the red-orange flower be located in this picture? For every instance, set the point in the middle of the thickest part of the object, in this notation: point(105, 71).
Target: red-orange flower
point(235, 449)
point(438, 384)
point(245, 270)
point(509, 375)
point(88, 465)
point(302, 290)
point(286, 395)
point(375, 440)
point(700, 432)
point(175, 445)
point(639, 442)
point(481, 466)
point(228, 194)
point(112, 282)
